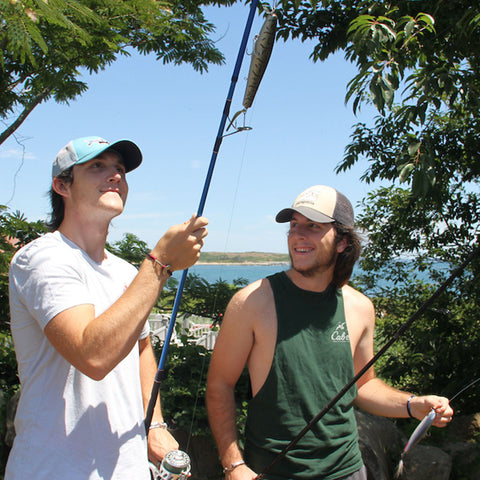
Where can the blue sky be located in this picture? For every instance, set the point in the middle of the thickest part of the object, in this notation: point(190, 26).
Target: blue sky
point(300, 126)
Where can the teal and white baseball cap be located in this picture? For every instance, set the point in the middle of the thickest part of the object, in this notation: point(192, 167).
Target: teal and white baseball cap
point(83, 149)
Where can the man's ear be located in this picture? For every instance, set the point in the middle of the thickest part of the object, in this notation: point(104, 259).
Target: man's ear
point(342, 245)
point(59, 186)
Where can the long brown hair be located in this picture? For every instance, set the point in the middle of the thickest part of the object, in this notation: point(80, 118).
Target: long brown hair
point(347, 259)
point(56, 201)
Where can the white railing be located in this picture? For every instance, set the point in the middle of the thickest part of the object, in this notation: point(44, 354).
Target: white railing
point(207, 340)
point(196, 326)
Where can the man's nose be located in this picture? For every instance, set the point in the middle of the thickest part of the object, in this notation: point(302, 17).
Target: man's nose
point(298, 232)
point(115, 176)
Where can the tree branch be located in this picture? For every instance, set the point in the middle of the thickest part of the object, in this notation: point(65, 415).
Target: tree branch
point(23, 116)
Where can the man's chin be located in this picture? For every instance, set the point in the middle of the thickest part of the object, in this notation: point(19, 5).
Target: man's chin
point(306, 272)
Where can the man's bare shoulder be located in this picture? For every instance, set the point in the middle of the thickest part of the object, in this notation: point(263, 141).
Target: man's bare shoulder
point(252, 297)
point(356, 300)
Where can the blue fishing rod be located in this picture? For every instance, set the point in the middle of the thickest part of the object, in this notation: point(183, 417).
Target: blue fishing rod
point(216, 147)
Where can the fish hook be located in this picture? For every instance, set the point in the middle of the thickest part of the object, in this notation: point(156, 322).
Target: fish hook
point(238, 129)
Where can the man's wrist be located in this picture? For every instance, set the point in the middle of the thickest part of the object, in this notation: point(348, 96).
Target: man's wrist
point(164, 268)
point(158, 425)
point(232, 466)
point(409, 407)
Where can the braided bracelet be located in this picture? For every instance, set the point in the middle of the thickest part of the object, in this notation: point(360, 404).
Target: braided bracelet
point(164, 267)
point(158, 425)
point(233, 466)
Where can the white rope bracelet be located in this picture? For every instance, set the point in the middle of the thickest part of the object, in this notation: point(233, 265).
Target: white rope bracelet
point(158, 425)
point(233, 466)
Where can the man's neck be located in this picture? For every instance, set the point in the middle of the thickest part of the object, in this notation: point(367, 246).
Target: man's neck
point(317, 282)
point(90, 238)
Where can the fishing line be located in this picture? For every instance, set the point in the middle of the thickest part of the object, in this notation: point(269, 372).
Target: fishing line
point(471, 384)
point(195, 403)
point(422, 429)
point(369, 364)
point(214, 307)
point(216, 147)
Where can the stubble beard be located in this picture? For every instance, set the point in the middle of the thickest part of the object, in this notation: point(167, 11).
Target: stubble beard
point(317, 268)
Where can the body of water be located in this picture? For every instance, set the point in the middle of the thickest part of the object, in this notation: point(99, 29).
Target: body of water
point(212, 273)
point(229, 272)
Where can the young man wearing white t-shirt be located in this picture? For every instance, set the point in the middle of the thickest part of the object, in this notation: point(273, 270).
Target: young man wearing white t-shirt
point(79, 324)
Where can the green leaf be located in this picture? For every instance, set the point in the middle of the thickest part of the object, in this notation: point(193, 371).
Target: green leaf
point(405, 172)
point(409, 27)
point(413, 147)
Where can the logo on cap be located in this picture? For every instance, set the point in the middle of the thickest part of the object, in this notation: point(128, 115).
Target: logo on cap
point(307, 197)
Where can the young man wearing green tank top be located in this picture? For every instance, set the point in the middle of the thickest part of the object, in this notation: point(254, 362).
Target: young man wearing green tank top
point(303, 334)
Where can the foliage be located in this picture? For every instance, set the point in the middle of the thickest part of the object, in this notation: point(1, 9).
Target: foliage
point(425, 50)
point(201, 298)
point(9, 384)
point(408, 239)
point(130, 248)
point(417, 63)
point(184, 384)
point(47, 45)
point(8, 366)
point(183, 387)
point(15, 232)
point(243, 257)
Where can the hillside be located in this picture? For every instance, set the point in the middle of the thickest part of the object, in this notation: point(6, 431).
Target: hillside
point(243, 257)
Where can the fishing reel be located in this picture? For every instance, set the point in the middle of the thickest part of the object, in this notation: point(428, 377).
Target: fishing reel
point(175, 465)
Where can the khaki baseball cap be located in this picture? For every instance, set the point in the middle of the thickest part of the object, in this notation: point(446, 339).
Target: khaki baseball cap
point(321, 204)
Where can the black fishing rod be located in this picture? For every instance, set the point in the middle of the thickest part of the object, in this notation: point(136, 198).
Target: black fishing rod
point(369, 364)
point(216, 147)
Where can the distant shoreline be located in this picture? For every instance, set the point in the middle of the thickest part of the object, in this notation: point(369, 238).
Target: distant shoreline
point(241, 263)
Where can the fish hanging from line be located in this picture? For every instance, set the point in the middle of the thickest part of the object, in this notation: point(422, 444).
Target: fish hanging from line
point(417, 435)
point(262, 50)
point(423, 428)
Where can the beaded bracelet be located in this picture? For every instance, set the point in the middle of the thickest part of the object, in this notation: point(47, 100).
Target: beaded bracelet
point(408, 407)
point(164, 267)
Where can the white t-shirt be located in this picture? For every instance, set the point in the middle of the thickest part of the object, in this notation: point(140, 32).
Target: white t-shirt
point(68, 426)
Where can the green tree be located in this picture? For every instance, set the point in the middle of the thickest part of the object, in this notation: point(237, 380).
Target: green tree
point(417, 63)
point(422, 53)
point(200, 297)
point(47, 45)
point(412, 248)
point(15, 232)
point(130, 248)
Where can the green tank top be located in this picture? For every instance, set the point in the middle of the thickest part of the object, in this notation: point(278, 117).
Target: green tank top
point(311, 364)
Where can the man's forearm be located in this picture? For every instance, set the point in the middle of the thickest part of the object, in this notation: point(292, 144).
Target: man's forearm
point(148, 370)
point(378, 398)
point(96, 345)
point(222, 418)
